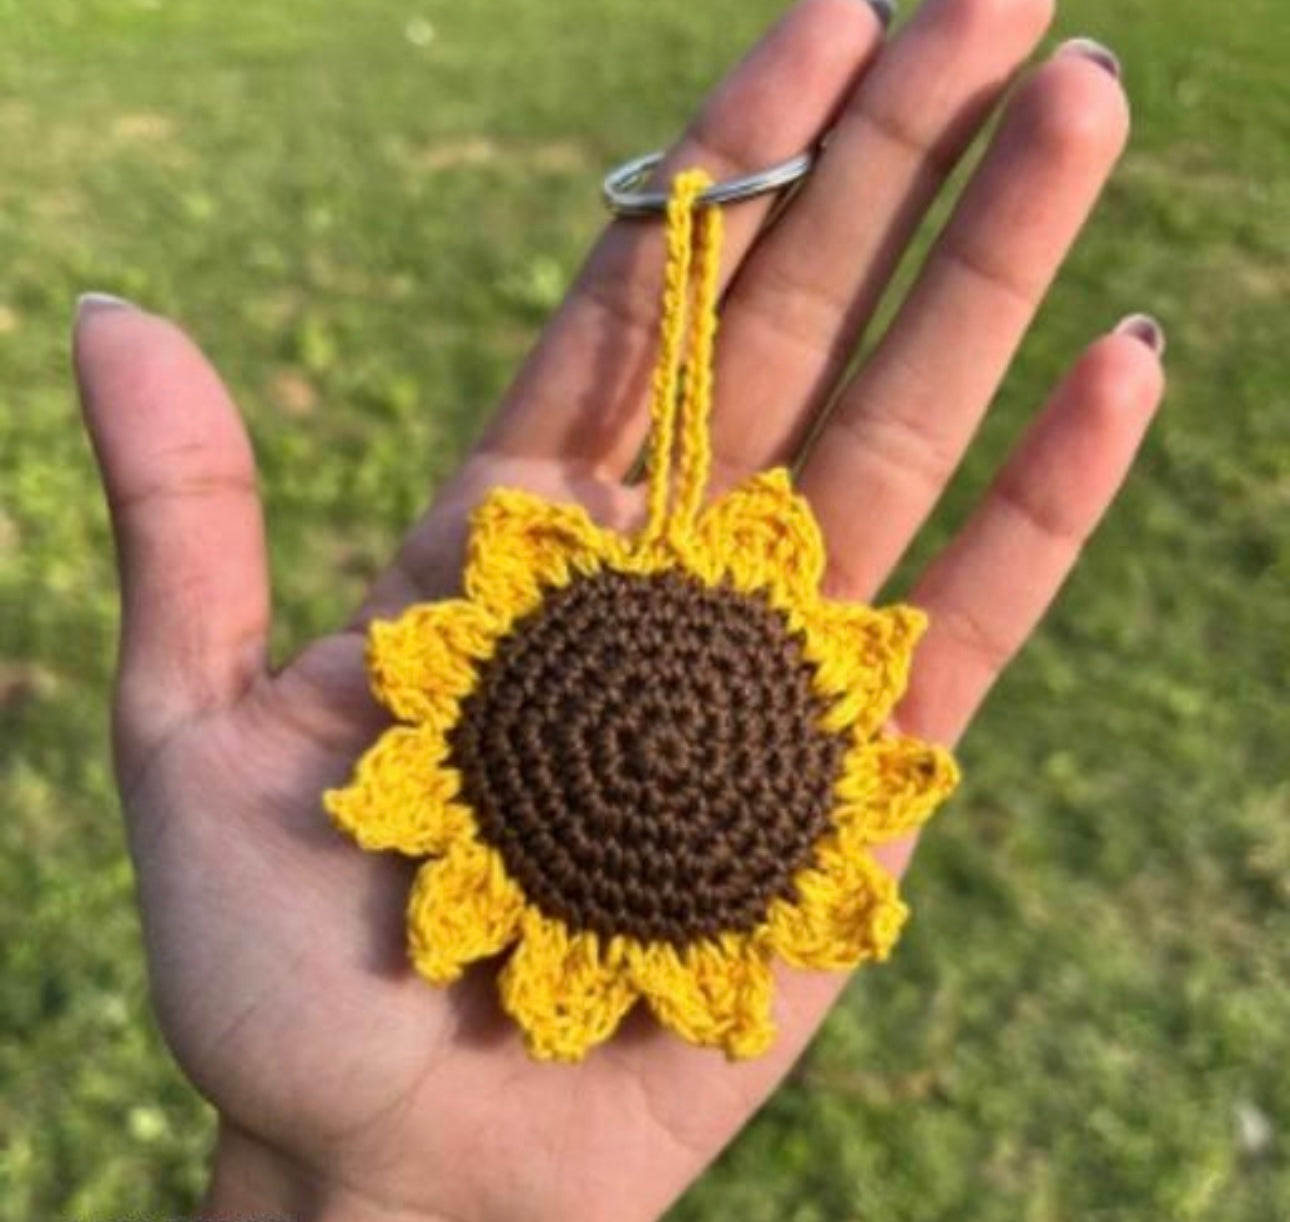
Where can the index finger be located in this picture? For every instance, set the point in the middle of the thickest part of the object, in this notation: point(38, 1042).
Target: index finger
point(571, 402)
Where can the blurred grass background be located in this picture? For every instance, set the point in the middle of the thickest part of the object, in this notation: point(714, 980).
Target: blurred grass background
point(364, 211)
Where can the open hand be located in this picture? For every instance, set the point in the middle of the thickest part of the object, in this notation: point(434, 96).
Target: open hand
point(348, 1088)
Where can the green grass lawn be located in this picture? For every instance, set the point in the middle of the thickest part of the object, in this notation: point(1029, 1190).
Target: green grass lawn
point(364, 210)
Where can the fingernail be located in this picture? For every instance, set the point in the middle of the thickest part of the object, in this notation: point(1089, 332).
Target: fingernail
point(92, 303)
point(1145, 329)
point(884, 10)
point(1102, 56)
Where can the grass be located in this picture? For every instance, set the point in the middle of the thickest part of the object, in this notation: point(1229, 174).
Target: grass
point(364, 211)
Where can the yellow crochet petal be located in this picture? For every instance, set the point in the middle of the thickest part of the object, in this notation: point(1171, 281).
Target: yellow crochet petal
point(761, 536)
point(891, 785)
point(463, 907)
point(521, 545)
point(847, 911)
point(862, 657)
point(402, 795)
point(716, 994)
point(425, 661)
point(567, 990)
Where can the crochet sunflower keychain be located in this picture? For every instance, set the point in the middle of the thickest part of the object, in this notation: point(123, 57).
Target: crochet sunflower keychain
point(646, 765)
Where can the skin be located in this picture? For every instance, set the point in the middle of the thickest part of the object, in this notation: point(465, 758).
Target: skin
point(347, 1088)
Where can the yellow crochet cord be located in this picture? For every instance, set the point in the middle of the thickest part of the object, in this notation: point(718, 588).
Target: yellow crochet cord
point(688, 335)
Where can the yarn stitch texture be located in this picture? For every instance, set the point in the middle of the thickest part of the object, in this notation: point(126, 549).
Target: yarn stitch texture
point(647, 765)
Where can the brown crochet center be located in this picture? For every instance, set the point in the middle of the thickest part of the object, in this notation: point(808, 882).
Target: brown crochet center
point(645, 754)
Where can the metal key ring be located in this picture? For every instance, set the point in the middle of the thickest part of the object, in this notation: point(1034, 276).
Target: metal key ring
point(623, 200)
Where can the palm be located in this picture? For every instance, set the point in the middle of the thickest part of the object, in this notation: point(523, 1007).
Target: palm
point(288, 999)
point(276, 948)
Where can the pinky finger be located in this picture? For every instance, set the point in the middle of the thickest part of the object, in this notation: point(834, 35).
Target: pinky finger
point(988, 589)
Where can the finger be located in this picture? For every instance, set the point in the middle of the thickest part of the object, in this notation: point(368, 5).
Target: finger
point(179, 475)
point(804, 295)
point(580, 396)
point(899, 429)
point(987, 590)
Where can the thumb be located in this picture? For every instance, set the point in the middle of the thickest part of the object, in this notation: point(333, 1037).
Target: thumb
point(179, 474)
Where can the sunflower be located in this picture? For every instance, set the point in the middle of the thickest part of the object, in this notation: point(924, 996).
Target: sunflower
point(647, 765)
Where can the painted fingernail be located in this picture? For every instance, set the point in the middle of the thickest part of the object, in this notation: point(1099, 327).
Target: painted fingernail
point(884, 10)
point(1146, 330)
point(93, 303)
point(1087, 48)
